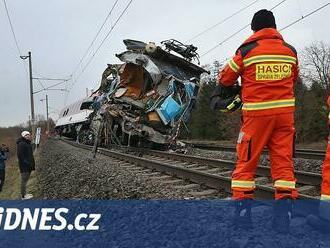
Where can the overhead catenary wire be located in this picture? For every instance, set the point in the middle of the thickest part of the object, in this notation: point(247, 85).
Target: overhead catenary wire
point(50, 79)
point(304, 17)
point(42, 86)
point(12, 29)
point(51, 86)
point(222, 21)
point(107, 35)
point(294, 22)
point(95, 37)
point(101, 44)
point(237, 32)
point(19, 51)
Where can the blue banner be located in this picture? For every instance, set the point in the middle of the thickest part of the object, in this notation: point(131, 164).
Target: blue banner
point(160, 223)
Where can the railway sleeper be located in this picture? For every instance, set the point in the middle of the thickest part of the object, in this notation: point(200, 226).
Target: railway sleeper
point(207, 192)
point(187, 186)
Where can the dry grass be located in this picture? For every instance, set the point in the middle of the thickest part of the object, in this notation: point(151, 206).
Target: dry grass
point(11, 188)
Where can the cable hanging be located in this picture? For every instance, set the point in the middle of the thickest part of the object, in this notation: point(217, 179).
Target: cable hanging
point(294, 22)
point(101, 44)
point(304, 17)
point(17, 45)
point(12, 29)
point(95, 37)
point(237, 32)
point(222, 21)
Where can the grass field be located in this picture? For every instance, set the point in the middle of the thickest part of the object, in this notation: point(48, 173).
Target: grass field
point(11, 188)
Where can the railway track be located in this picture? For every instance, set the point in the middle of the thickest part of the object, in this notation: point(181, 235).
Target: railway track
point(214, 174)
point(299, 153)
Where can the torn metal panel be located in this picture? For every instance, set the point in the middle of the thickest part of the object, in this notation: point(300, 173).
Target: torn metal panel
point(145, 100)
point(134, 45)
point(144, 61)
point(151, 94)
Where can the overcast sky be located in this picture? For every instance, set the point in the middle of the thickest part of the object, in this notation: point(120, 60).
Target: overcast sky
point(58, 32)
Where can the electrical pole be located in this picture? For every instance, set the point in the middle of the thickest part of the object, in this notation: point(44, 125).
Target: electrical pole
point(31, 95)
point(30, 125)
point(47, 114)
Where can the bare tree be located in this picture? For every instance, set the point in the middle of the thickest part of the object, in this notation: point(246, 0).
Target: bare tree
point(315, 65)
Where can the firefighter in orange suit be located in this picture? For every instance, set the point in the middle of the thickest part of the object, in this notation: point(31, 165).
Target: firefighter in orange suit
point(268, 68)
point(325, 187)
point(322, 222)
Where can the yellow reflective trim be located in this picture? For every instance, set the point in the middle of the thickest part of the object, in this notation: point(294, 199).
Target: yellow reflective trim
point(242, 184)
point(285, 184)
point(266, 56)
point(329, 116)
point(269, 104)
point(270, 55)
point(325, 197)
point(233, 104)
point(269, 58)
point(233, 65)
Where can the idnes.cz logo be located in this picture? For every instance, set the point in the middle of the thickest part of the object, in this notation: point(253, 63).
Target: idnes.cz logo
point(46, 219)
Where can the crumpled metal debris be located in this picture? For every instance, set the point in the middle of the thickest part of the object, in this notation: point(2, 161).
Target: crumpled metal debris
point(145, 100)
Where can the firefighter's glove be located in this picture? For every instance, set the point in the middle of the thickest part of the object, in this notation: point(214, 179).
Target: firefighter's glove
point(226, 99)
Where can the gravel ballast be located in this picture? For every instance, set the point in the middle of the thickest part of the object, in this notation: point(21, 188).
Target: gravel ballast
point(67, 172)
point(300, 164)
point(64, 172)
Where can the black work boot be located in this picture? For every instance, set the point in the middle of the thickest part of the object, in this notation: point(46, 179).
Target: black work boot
point(282, 210)
point(242, 218)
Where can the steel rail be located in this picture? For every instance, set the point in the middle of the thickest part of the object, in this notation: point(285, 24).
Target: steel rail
point(200, 177)
point(303, 177)
point(299, 153)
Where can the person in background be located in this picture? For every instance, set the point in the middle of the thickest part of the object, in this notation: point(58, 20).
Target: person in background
point(26, 161)
point(3, 157)
point(322, 222)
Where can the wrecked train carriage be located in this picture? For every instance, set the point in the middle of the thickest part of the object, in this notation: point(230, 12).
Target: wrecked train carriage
point(145, 100)
point(74, 118)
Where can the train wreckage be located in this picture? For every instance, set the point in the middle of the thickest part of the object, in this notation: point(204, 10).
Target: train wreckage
point(141, 102)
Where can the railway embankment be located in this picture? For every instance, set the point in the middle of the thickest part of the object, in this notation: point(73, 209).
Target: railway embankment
point(68, 172)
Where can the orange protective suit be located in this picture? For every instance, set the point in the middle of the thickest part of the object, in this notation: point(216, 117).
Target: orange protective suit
point(268, 68)
point(325, 187)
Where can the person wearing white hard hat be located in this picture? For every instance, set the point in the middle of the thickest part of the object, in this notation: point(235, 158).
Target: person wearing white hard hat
point(26, 161)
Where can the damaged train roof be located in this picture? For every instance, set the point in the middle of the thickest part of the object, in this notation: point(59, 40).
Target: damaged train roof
point(167, 63)
point(147, 97)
